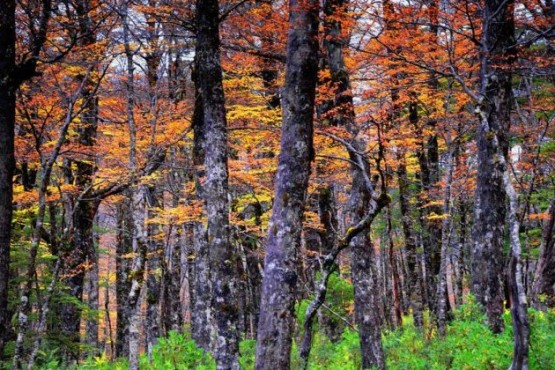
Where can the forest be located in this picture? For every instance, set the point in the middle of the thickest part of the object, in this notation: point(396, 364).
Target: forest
point(271, 184)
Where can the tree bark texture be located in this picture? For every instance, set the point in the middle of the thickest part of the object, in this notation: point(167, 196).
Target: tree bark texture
point(519, 306)
point(494, 122)
point(221, 256)
point(543, 289)
point(123, 248)
point(7, 159)
point(202, 327)
point(414, 273)
point(279, 285)
point(81, 247)
point(154, 278)
point(364, 275)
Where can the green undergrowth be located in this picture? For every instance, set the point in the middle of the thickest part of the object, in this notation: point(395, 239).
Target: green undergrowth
point(468, 345)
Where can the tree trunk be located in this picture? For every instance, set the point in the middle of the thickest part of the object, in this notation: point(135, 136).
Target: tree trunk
point(279, 285)
point(123, 248)
point(519, 306)
point(413, 258)
point(93, 290)
point(543, 289)
point(81, 248)
point(365, 279)
point(220, 251)
point(441, 293)
point(137, 273)
point(7, 159)
point(494, 114)
point(202, 325)
point(154, 278)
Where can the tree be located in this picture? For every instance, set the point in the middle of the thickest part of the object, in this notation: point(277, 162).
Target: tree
point(493, 111)
point(13, 74)
point(281, 263)
point(220, 253)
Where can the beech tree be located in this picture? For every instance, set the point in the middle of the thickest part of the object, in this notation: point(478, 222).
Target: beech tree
point(15, 71)
point(279, 285)
point(218, 183)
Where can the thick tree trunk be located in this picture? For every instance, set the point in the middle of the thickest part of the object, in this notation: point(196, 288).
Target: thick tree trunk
point(220, 253)
point(281, 264)
point(494, 114)
point(202, 324)
point(543, 289)
point(7, 159)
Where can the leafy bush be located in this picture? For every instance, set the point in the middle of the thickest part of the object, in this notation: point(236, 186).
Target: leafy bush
point(469, 344)
point(177, 352)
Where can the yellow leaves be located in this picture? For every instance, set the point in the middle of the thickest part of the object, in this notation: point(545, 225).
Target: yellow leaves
point(435, 217)
point(25, 198)
point(177, 215)
point(433, 203)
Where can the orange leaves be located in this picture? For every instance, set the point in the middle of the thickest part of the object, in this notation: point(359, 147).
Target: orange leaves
point(178, 215)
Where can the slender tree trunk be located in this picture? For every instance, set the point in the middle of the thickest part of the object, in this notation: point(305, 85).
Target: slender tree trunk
point(326, 210)
point(494, 114)
point(365, 279)
point(279, 285)
point(138, 211)
point(93, 290)
point(172, 317)
point(543, 289)
point(82, 246)
point(137, 273)
point(396, 314)
point(413, 259)
point(519, 306)
point(123, 248)
point(154, 279)
point(441, 293)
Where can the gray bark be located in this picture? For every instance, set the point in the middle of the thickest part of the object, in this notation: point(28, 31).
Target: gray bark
point(123, 248)
point(494, 122)
point(414, 273)
point(543, 289)
point(220, 250)
point(365, 279)
point(279, 285)
point(154, 279)
point(519, 306)
point(81, 248)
